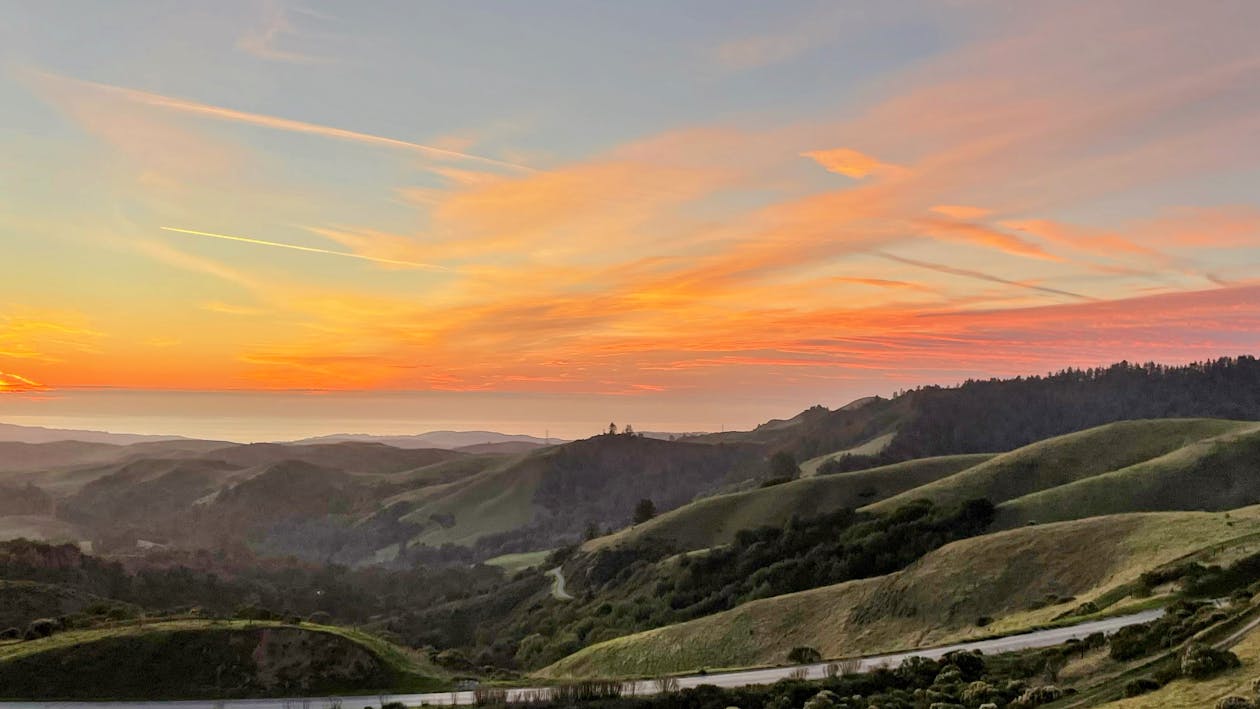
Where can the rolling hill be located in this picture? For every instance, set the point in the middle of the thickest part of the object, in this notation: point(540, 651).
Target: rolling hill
point(209, 659)
point(1017, 578)
point(711, 521)
point(1066, 459)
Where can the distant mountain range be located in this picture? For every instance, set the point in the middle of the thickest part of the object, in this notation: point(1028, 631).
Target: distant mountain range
point(433, 439)
point(39, 434)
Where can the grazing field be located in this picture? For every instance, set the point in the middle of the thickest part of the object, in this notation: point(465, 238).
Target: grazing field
point(511, 563)
point(1009, 581)
point(712, 521)
point(1195, 694)
point(210, 659)
point(1066, 459)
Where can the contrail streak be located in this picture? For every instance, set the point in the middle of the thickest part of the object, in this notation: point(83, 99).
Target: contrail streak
point(979, 275)
point(309, 249)
point(277, 123)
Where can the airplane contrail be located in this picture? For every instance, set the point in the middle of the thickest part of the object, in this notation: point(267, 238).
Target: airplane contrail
point(309, 249)
point(277, 123)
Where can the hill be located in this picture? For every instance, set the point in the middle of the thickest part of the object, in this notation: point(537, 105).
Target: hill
point(40, 434)
point(712, 521)
point(208, 659)
point(1218, 473)
point(433, 439)
point(1066, 459)
point(1003, 414)
point(1016, 578)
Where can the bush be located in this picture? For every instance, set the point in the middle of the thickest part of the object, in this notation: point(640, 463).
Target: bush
point(804, 655)
point(1200, 661)
point(1140, 686)
point(1039, 695)
point(1235, 703)
point(825, 699)
point(10, 634)
point(41, 628)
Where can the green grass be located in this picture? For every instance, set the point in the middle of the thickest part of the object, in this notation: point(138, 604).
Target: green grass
point(871, 447)
point(207, 658)
point(511, 563)
point(713, 521)
point(1220, 473)
point(1067, 459)
point(1007, 576)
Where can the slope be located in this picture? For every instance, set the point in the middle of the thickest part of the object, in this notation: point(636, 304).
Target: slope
point(208, 659)
point(1066, 459)
point(711, 521)
point(1218, 473)
point(1020, 577)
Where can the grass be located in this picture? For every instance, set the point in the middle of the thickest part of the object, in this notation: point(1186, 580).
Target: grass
point(713, 521)
point(210, 658)
point(1220, 470)
point(1064, 460)
point(871, 447)
point(511, 563)
point(1008, 576)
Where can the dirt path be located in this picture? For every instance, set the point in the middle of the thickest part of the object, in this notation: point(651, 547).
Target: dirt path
point(557, 585)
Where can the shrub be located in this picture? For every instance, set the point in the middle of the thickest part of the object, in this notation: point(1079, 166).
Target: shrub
point(825, 699)
point(804, 655)
point(1235, 703)
point(1039, 695)
point(1140, 686)
point(320, 618)
point(10, 634)
point(41, 628)
point(1200, 661)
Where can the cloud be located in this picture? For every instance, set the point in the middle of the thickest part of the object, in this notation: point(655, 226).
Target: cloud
point(307, 249)
point(11, 383)
point(274, 34)
point(273, 122)
point(968, 273)
point(850, 163)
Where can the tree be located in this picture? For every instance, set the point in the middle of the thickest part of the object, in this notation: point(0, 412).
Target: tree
point(592, 531)
point(628, 430)
point(645, 510)
point(783, 465)
point(612, 429)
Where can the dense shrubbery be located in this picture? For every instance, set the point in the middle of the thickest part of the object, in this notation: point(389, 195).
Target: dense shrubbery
point(1182, 620)
point(625, 589)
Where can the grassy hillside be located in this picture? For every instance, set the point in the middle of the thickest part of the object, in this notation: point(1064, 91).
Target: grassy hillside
point(208, 659)
point(1218, 473)
point(872, 447)
point(1066, 459)
point(1018, 578)
point(553, 493)
point(1195, 694)
point(711, 521)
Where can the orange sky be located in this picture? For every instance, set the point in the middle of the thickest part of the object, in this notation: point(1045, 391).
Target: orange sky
point(804, 204)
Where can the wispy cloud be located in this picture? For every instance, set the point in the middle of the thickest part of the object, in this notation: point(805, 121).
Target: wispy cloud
point(273, 36)
point(307, 249)
point(276, 123)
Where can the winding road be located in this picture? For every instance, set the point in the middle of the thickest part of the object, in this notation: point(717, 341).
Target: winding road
point(1025, 641)
point(557, 585)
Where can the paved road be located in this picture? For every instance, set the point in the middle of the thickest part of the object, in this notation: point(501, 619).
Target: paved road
point(557, 585)
point(1041, 638)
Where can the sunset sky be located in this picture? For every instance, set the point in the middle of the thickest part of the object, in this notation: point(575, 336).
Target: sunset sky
point(272, 219)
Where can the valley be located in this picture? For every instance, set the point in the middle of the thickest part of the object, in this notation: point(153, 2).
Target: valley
point(508, 563)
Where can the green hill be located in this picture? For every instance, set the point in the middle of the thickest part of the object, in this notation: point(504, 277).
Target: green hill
point(208, 659)
point(1218, 473)
point(1066, 459)
point(1018, 578)
point(711, 521)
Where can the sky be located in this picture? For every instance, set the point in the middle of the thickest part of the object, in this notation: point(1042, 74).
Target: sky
point(260, 219)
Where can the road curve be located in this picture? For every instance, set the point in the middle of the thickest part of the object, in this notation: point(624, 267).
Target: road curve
point(557, 585)
point(1025, 641)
